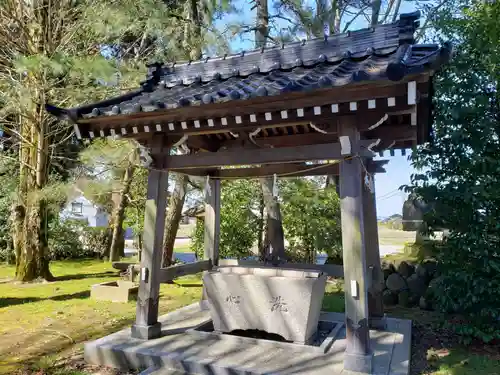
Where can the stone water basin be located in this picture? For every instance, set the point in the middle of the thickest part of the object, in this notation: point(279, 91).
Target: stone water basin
point(283, 301)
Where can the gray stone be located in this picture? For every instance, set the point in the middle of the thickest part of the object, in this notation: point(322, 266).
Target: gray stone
point(424, 304)
point(390, 298)
point(146, 332)
point(388, 269)
point(421, 271)
point(404, 298)
point(432, 290)
point(431, 267)
point(283, 301)
point(155, 370)
point(414, 300)
point(183, 349)
point(405, 269)
point(416, 285)
point(114, 291)
point(358, 363)
point(396, 282)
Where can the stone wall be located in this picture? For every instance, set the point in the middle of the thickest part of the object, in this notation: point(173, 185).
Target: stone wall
point(410, 284)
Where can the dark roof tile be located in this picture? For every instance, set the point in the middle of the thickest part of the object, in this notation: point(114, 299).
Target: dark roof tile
point(380, 53)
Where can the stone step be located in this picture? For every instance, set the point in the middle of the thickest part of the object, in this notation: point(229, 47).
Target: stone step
point(162, 371)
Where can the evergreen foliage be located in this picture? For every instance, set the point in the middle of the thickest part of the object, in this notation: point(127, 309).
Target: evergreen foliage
point(311, 219)
point(8, 175)
point(461, 169)
point(238, 222)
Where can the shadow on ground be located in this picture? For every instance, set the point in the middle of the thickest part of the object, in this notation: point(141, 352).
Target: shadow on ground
point(86, 276)
point(12, 301)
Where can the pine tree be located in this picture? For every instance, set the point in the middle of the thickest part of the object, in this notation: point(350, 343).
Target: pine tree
point(48, 55)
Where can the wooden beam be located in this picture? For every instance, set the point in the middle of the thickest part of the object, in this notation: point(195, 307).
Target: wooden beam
point(332, 270)
point(402, 132)
point(264, 156)
point(358, 355)
point(170, 273)
point(201, 142)
point(289, 140)
point(293, 169)
point(274, 123)
point(146, 325)
point(123, 266)
point(350, 93)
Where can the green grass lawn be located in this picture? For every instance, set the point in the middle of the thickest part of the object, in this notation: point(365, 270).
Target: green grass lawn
point(42, 322)
point(182, 248)
point(185, 230)
point(40, 319)
point(461, 362)
point(388, 236)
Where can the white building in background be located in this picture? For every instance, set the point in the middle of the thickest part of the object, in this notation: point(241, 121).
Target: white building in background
point(82, 209)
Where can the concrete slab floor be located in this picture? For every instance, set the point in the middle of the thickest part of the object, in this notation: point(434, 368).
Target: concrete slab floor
point(183, 350)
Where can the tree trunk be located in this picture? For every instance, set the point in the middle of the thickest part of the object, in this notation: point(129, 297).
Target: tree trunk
point(139, 244)
point(173, 218)
point(274, 223)
point(262, 24)
point(117, 239)
point(30, 215)
point(32, 261)
point(333, 181)
point(174, 213)
point(17, 217)
point(376, 4)
point(261, 240)
point(335, 19)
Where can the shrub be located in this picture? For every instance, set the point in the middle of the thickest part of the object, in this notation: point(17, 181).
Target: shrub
point(237, 224)
point(311, 219)
point(7, 255)
point(96, 241)
point(70, 239)
point(64, 240)
point(469, 285)
point(197, 239)
point(459, 170)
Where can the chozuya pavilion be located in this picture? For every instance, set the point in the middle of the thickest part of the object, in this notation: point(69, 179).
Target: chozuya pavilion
point(271, 112)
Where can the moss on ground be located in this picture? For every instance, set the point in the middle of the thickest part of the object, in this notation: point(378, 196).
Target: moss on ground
point(44, 322)
point(43, 318)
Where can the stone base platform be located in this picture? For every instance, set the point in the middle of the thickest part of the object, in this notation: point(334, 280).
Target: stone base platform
point(185, 349)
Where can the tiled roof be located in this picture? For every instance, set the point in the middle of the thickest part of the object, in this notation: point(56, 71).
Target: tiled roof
point(386, 52)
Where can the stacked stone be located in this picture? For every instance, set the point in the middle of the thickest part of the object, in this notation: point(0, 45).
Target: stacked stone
point(408, 285)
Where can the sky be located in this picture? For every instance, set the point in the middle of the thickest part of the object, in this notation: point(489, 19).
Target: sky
point(389, 199)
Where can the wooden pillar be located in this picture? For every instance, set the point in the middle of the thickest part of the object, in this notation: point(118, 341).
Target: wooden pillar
point(212, 229)
point(146, 324)
point(373, 270)
point(212, 221)
point(358, 355)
